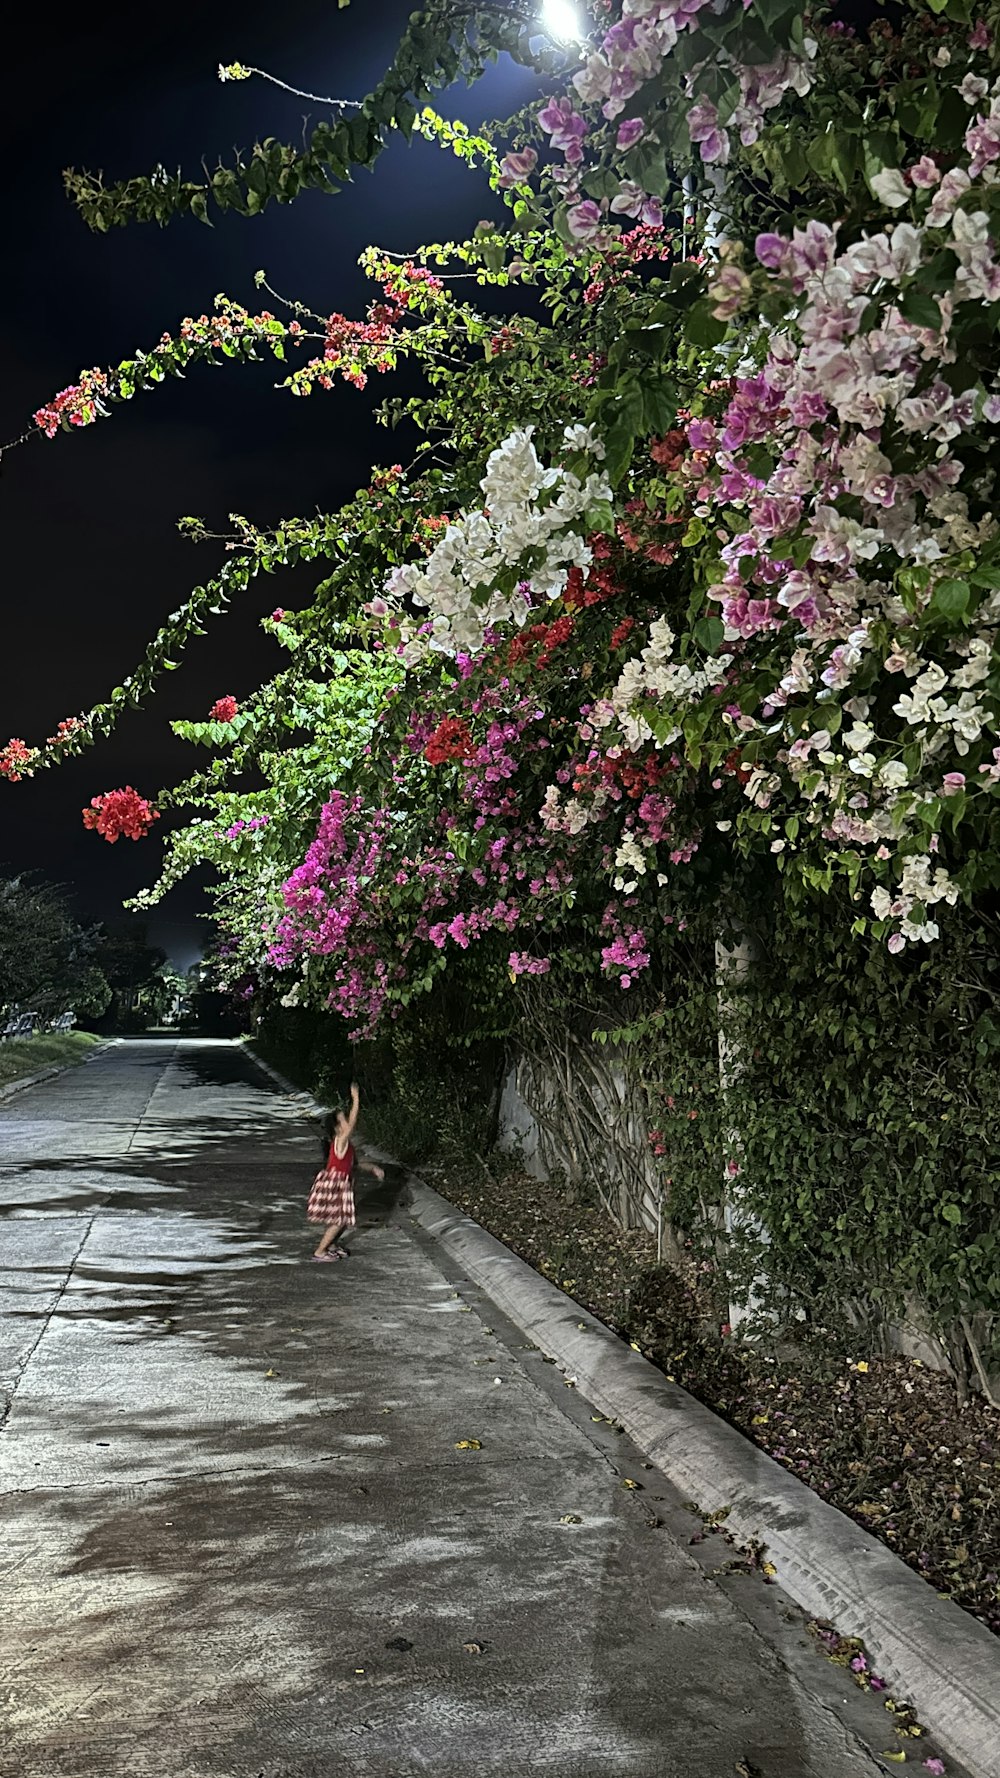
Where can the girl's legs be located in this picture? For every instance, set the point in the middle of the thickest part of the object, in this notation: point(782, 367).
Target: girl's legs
point(330, 1233)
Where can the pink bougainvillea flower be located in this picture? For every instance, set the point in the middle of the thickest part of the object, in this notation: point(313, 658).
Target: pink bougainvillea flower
point(120, 812)
point(516, 167)
point(772, 251)
point(925, 173)
point(585, 221)
point(629, 131)
point(17, 760)
point(565, 125)
point(223, 710)
point(520, 963)
point(934, 1765)
point(629, 199)
point(704, 129)
point(75, 406)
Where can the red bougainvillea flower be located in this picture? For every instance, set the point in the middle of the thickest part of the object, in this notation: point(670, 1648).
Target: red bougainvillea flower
point(64, 730)
point(17, 760)
point(223, 710)
point(551, 636)
point(79, 405)
point(670, 451)
point(120, 812)
point(450, 740)
point(621, 633)
point(599, 585)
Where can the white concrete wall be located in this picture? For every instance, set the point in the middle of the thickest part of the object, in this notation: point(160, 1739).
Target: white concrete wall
point(612, 1150)
point(519, 1132)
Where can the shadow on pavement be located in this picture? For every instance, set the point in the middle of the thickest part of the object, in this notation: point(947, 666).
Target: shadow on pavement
point(244, 1526)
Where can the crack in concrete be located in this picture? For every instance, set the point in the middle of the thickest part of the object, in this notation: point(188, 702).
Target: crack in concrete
point(185, 1475)
point(848, 1741)
point(154, 1089)
point(363, 1482)
point(24, 1363)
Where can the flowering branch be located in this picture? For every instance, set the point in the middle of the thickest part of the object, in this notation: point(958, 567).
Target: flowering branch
point(238, 71)
point(443, 43)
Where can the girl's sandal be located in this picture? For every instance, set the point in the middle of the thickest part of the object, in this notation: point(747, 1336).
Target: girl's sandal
point(324, 1258)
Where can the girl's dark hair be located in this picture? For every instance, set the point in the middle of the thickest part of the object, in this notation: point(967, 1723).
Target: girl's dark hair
point(329, 1125)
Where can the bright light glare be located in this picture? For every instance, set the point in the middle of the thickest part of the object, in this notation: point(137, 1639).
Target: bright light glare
point(562, 21)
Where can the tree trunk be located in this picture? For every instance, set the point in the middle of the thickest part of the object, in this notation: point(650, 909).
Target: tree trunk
point(731, 966)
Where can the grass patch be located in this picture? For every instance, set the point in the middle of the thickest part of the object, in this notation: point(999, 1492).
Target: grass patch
point(22, 1056)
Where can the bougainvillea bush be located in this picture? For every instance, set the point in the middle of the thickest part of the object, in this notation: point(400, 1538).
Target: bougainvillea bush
point(695, 613)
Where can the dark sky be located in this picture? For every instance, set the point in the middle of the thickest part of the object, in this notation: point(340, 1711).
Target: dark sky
point(90, 556)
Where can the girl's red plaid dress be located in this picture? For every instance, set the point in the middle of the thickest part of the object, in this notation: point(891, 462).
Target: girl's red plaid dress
point(332, 1197)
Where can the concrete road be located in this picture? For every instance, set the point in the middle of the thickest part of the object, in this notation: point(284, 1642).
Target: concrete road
point(238, 1537)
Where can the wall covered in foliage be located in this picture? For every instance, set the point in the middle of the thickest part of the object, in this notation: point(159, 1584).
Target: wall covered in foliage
point(677, 629)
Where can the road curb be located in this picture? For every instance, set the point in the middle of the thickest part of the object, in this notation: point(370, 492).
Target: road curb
point(310, 1106)
point(34, 1080)
point(928, 1649)
point(946, 1663)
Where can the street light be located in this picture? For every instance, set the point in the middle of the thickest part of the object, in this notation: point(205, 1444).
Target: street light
point(562, 21)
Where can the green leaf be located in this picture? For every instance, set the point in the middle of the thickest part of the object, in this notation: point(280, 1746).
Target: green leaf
point(826, 156)
point(406, 117)
point(627, 414)
point(921, 309)
point(709, 633)
point(703, 328)
point(950, 600)
point(659, 405)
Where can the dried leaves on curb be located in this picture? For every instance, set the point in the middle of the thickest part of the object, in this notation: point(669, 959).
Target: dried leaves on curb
point(882, 1439)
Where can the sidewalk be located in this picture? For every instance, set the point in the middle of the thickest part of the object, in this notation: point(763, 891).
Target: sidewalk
point(242, 1537)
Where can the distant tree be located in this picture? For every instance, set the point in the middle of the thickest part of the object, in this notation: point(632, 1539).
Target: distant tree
point(48, 960)
point(167, 994)
point(91, 993)
point(135, 972)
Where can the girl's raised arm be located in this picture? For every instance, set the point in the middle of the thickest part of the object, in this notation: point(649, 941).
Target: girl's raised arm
point(352, 1116)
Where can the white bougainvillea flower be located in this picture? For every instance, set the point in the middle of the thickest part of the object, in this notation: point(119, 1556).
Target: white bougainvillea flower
point(890, 188)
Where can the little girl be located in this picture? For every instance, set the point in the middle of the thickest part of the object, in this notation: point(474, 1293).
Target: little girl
point(331, 1200)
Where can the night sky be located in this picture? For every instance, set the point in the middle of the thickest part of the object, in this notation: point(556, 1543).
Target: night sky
point(91, 559)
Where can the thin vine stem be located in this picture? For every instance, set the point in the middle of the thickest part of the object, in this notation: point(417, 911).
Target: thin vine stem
point(226, 73)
